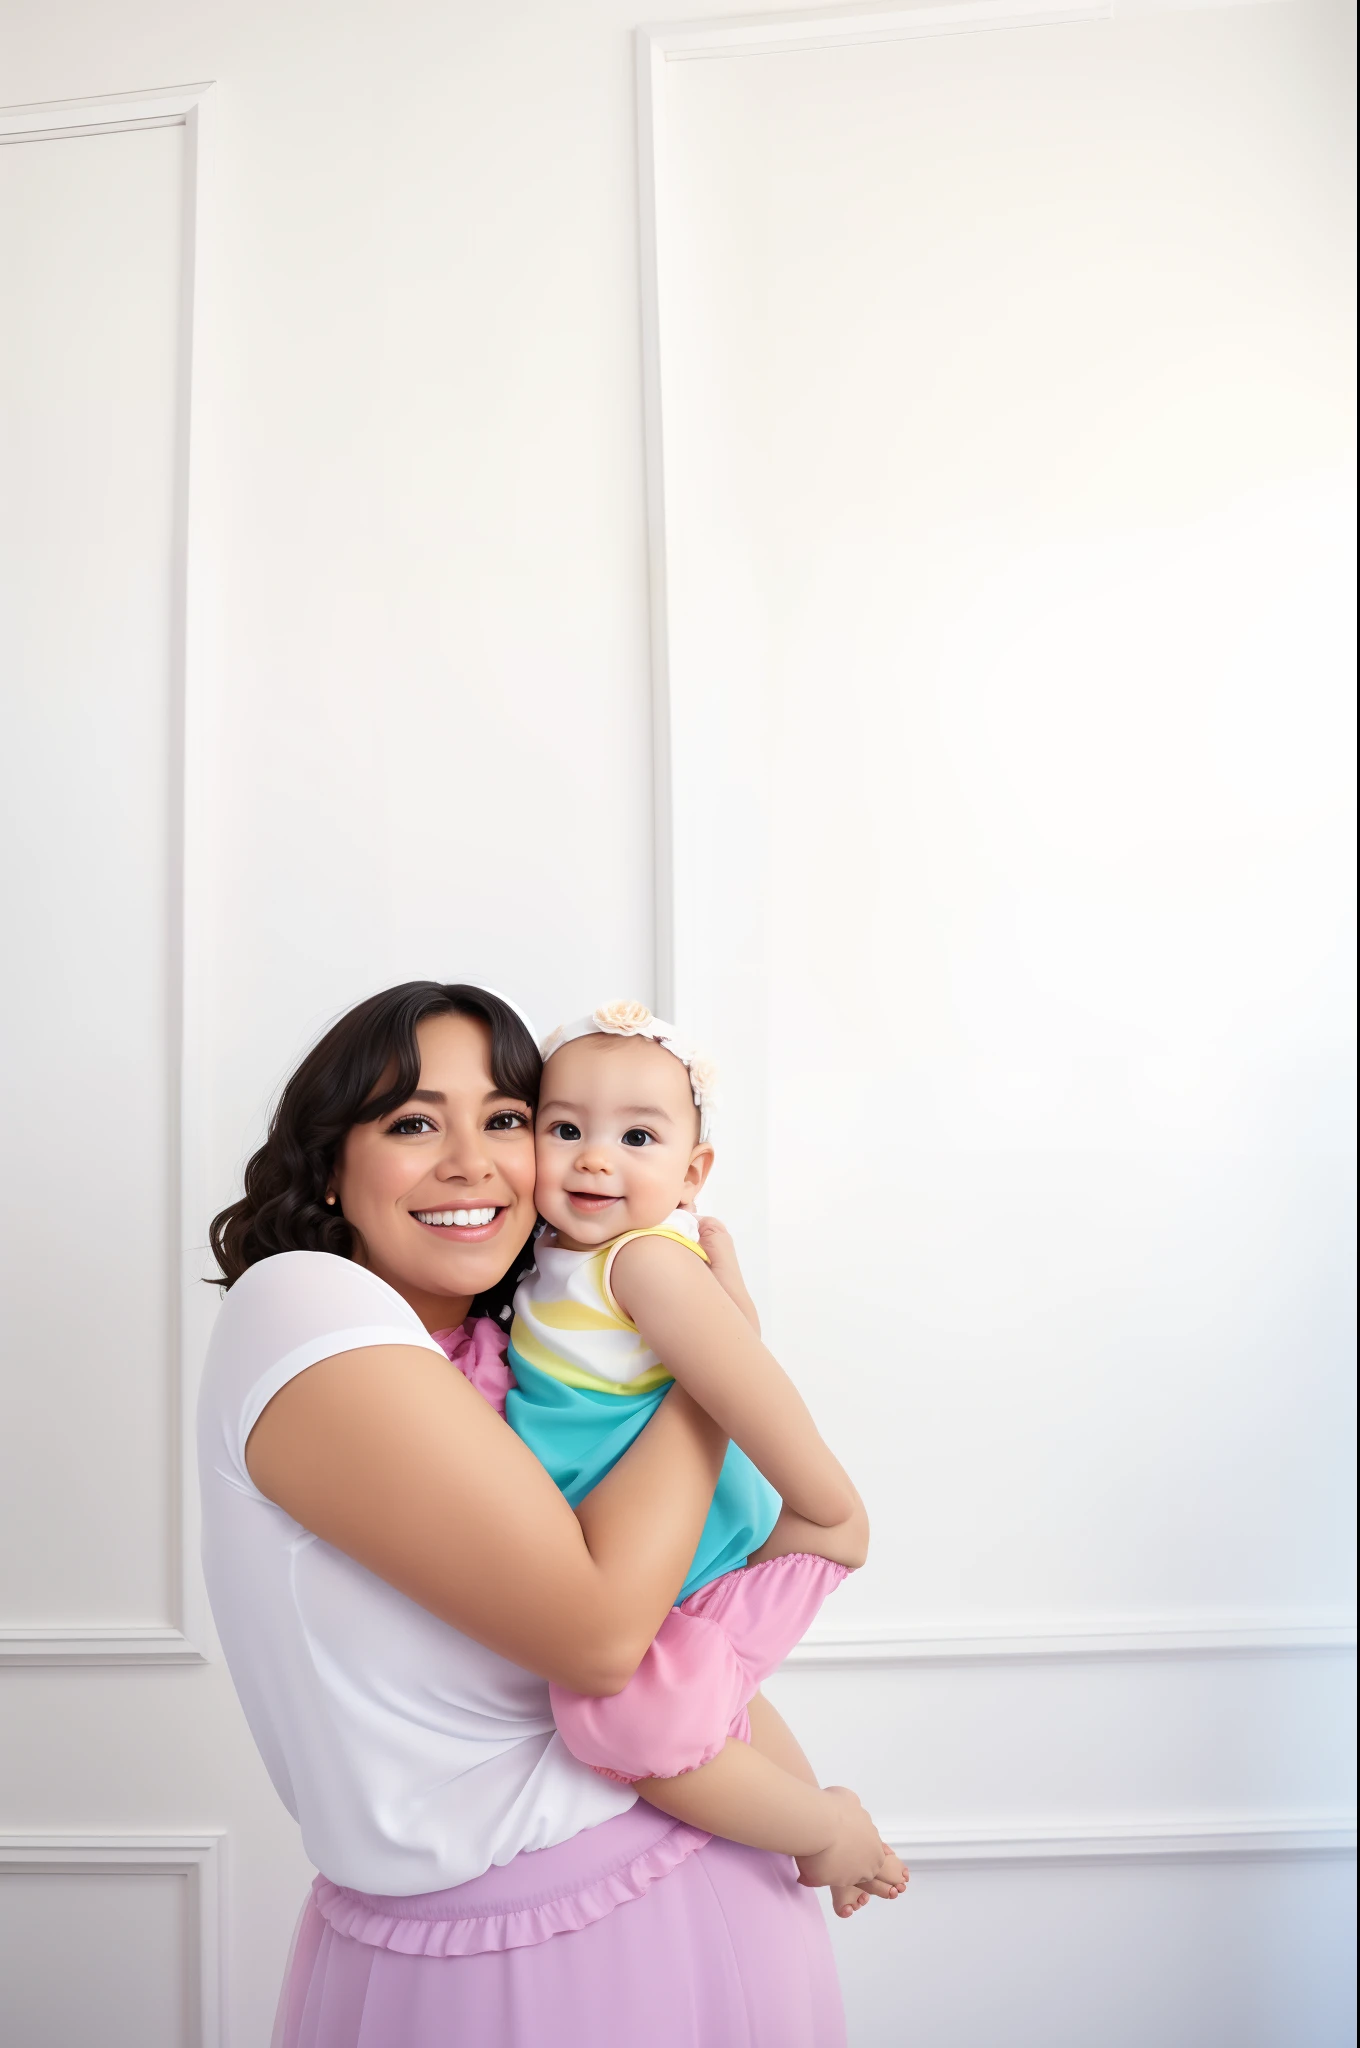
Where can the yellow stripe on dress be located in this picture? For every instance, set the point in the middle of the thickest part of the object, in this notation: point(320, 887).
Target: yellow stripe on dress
point(536, 1354)
point(574, 1315)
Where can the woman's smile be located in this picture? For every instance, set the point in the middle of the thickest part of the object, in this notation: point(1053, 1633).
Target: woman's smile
point(465, 1225)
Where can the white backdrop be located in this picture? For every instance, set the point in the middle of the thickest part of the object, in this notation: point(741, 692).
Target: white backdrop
point(1000, 434)
point(354, 340)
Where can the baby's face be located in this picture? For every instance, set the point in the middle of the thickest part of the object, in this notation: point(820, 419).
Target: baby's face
point(616, 1139)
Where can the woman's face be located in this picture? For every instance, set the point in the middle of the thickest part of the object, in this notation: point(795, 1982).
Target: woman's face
point(441, 1189)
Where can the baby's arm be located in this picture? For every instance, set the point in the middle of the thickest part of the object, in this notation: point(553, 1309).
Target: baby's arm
point(845, 1542)
point(688, 1319)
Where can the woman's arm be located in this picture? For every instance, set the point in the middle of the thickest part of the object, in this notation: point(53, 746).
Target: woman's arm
point(388, 1454)
point(688, 1320)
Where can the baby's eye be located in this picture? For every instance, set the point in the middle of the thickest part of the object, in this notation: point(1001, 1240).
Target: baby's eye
point(507, 1120)
point(410, 1126)
point(638, 1138)
point(570, 1134)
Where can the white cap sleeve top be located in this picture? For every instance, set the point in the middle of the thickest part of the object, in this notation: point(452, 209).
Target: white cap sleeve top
point(412, 1757)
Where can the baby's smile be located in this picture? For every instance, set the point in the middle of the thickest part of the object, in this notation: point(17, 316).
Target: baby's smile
point(591, 1205)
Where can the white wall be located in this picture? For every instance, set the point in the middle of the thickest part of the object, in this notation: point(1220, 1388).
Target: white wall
point(1004, 408)
point(91, 251)
point(418, 704)
point(420, 697)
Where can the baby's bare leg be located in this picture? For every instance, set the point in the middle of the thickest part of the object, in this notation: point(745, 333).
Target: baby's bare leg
point(746, 1797)
point(772, 1735)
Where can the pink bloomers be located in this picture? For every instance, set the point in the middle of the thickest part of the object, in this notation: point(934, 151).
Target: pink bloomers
point(711, 1656)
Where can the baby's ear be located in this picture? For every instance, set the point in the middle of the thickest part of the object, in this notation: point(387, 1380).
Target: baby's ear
point(696, 1173)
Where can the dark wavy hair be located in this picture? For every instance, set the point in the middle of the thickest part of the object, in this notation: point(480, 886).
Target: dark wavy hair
point(284, 1205)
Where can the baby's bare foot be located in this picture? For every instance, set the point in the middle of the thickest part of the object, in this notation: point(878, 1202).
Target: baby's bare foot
point(891, 1878)
point(847, 1899)
point(889, 1881)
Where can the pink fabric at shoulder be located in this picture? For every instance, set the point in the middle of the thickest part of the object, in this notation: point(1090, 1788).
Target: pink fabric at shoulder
point(477, 1347)
point(710, 1657)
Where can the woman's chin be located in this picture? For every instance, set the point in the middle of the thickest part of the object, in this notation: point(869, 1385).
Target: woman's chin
point(454, 1263)
point(422, 1260)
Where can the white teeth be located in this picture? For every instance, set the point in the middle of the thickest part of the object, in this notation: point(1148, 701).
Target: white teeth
point(464, 1219)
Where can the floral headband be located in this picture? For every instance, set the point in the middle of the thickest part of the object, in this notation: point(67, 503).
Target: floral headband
point(635, 1020)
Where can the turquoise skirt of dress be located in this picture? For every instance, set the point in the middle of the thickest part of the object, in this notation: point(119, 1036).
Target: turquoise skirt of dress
point(579, 1435)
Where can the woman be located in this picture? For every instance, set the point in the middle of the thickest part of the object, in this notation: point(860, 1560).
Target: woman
point(395, 1579)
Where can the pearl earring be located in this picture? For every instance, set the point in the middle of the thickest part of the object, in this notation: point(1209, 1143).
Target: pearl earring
point(330, 1201)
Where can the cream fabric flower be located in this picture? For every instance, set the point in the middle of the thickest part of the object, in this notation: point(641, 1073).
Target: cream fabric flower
point(623, 1019)
point(703, 1076)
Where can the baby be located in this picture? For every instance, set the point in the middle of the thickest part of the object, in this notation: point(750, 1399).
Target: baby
point(621, 1303)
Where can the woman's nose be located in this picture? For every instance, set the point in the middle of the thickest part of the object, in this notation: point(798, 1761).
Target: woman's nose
point(465, 1159)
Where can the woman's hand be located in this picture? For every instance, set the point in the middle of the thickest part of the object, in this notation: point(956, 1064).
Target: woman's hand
point(716, 1239)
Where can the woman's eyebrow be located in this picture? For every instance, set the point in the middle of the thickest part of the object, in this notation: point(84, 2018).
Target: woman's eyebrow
point(437, 1095)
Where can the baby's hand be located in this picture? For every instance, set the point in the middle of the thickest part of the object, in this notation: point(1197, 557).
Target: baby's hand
point(716, 1239)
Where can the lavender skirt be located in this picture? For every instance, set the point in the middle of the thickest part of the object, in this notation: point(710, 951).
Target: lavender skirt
point(637, 1931)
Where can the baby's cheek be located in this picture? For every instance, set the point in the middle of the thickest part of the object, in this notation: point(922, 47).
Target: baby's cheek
point(545, 1185)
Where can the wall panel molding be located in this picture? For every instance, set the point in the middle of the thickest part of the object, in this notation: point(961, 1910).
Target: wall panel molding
point(658, 46)
point(1177, 1840)
point(171, 106)
point(196, 1858)
point(97, 1646)
point(838, 28)
point(1101, 1638)
point(193, 639)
